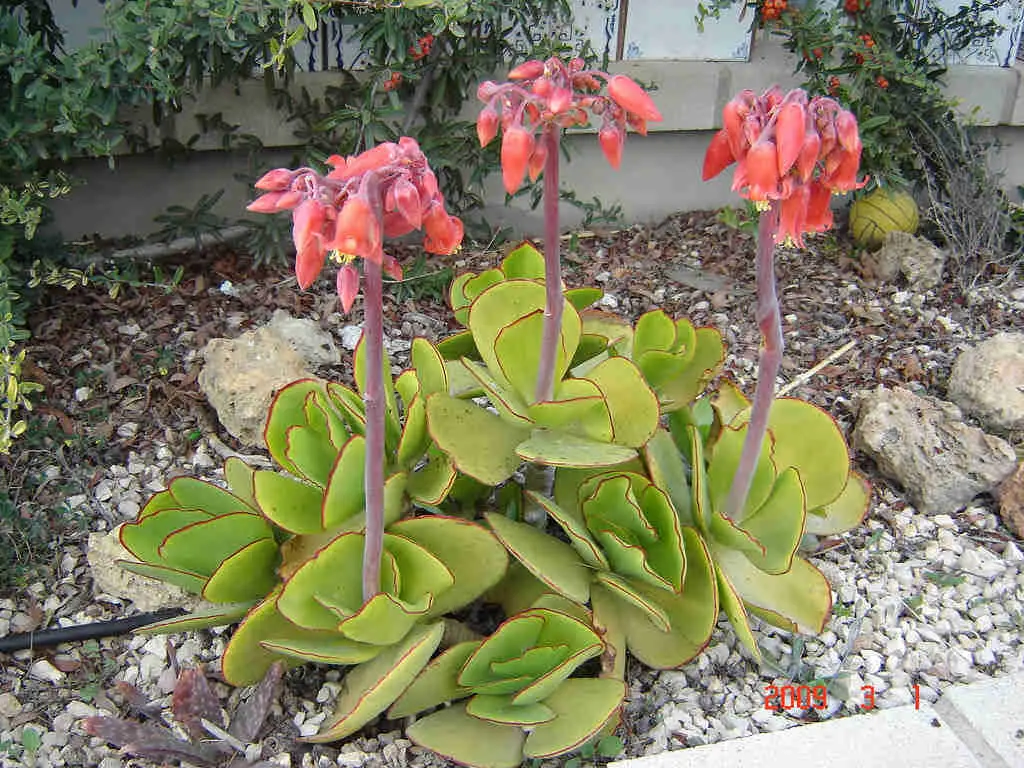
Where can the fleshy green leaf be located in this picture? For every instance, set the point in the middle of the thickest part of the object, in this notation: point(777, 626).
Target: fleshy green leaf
point(631, 404)
point(239, 477)
point(190, 582)
point(575, 529)
point(481, 444)
point(798, 600)
point(437, 683)
point(322, 648)
point(370, 688)
point(666, 468)
point(552, 561)
point(456, 735)
point(429, 367)
point(345, 496)
point(245, 661)
point(582, 707)
point(733, 607)
point(558, 449)
point(501, 709)
point(289, 503)
point(778, 525)
point(846, 512)
point(217, 616)
point(431, 484)
point(475, 558)
point(203, 546)
point(248, 574)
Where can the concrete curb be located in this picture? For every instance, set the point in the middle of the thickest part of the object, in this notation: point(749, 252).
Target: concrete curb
point(972, 726)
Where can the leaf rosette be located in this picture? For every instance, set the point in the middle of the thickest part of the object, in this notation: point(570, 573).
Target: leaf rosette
point(648, 577)
point(521, 701)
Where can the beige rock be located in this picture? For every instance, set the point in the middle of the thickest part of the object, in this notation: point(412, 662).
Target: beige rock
point(104, 550)
point(924, 444)
point(918, 259)
point(987, 381)
point(242, 375)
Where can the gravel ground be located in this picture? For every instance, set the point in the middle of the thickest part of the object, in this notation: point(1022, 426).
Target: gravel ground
point(921, 602)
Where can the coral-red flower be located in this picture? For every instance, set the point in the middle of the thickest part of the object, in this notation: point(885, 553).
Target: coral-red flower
point(386, 191)
point(632, 98)
point(790, 150)
point(516, 147)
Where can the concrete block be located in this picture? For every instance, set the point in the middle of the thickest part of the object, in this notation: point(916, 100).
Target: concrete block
point(903, 736)
point(988, 717)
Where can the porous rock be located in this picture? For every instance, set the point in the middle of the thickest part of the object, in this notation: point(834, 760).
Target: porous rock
point(312, 342)
point(109, 578)
point(918, 259)
point(923, 444)
point(242, 375)
point(1011, 501)
point(988, 382)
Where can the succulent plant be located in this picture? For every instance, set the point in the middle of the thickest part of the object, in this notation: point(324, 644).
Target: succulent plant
point(303, 600)
point(521, 699)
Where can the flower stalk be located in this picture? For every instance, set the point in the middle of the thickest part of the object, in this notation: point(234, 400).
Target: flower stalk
point(552, 270)
point(769, 321)
point(374, 399)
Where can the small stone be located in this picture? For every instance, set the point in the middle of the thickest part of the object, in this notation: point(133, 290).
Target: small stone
point(128, 429)
point(45, 671)
point(82, 394)
point(9, 705)
point(350, 336)
point(128, 509)
point(608, 301)
point(873, 661)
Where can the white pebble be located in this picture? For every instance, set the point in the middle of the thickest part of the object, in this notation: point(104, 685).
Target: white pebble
point(45, 671)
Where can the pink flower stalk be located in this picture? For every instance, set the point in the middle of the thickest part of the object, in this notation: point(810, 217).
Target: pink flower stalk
point(387, 191)
point(791, 155)
point(540, 99)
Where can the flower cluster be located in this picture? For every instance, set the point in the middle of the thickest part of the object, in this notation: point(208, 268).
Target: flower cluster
point(791, 150)
point(552, 93)
point(387, 191)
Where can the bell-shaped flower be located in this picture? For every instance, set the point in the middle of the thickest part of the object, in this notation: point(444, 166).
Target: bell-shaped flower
point(537, 160)
point(528, 70)
point(516, 147)
point(719, 155)
point(348, 286)
point(632, 98)
point(762, 170)
point(406, 201)
point(358, 231)
point(443, 231)
point(308, 223)
point(611, 139)
point(790, 130)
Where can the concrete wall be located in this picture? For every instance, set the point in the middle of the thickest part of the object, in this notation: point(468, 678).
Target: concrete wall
point(660, 173)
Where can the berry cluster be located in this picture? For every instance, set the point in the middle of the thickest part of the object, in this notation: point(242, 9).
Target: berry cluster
point(421, 48)
point(393, 82)
point(853, 7)
point(882, 82)
point(552, 93)
point(868, 42)
point(772, 9)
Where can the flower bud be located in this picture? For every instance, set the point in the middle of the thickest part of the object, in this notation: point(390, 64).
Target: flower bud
point(486, 125)
point(632, 98)
point(528, 70)
point(276, 180)
point(308, 222)
point(265, 203)
point(719, 155)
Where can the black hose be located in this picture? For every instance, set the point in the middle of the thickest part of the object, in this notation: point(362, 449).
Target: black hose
point(48, 637)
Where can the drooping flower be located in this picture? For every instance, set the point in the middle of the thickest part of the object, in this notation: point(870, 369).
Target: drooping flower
point(559, 94)
point(791, 150)
point(387, 191)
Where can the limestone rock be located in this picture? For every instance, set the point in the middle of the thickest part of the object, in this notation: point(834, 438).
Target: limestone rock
point(242, 375)
point(312, 342)
point(918, 259)
point(104, 550)
point(924, 445)
point(988, 382)
point(1011, 502)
